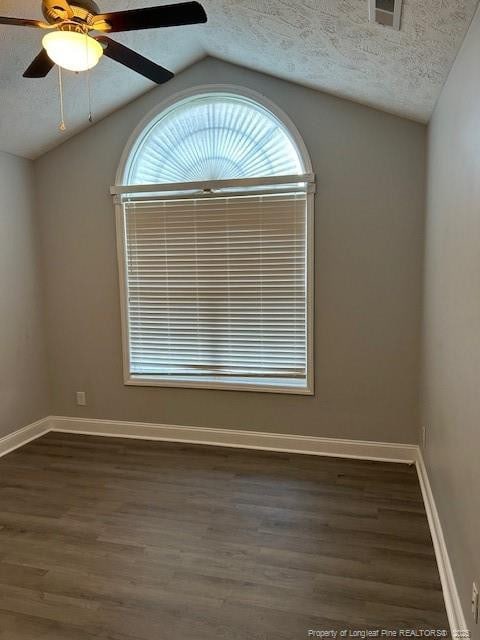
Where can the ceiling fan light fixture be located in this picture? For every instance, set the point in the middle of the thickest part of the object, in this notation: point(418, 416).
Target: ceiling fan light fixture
point(72, 50)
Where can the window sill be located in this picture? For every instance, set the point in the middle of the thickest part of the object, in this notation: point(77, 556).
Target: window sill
point(262, 385)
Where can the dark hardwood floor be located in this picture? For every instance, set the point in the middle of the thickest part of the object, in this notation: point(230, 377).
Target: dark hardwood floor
point(135, 540)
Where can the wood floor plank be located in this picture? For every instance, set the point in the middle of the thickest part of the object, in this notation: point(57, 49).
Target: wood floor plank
point(116, 539)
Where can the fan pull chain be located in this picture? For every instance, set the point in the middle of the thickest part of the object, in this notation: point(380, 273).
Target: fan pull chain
point(89, 93)
point(62, 125)
point(89, 89)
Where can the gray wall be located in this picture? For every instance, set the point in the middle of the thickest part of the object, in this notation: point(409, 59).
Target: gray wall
point(24, 393)
point(451, 380)
point(369, 250)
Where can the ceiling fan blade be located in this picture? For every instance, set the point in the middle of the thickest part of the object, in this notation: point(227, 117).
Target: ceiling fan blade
point(24, 22)
point(40, 67)
point(171, 15)
point(135, 61)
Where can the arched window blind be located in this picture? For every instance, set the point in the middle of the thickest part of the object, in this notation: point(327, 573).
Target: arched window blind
point(214, 250)
point(213, 138)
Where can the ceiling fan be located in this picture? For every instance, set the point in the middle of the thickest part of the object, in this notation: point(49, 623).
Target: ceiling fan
point(76, 39)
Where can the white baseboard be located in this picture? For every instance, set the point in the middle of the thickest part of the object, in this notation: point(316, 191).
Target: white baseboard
point(360, 449)
point(22, 436)
point(456, 617)
point(389, 452)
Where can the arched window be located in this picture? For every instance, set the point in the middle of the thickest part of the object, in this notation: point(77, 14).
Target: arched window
point(214, 214)
point(214, 137)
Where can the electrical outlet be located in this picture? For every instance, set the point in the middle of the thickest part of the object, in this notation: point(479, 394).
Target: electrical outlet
point(81, 398)
point(475, 602)
point(424, 437)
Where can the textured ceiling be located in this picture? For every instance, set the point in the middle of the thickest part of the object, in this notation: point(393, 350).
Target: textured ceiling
point(325, 44)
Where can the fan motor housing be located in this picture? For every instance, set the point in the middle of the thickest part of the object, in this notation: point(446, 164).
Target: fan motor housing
point(84, 11)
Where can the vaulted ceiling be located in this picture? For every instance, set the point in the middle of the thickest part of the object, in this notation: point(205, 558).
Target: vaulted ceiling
point(326, 44)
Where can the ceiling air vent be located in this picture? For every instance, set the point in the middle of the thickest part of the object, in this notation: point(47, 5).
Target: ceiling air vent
point(385, 12)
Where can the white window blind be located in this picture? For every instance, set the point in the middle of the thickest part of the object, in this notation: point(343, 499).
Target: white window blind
point(214, 137)
point(216, 287)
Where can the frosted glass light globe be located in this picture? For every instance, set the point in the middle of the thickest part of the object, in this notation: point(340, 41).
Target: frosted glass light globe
point(72, 50)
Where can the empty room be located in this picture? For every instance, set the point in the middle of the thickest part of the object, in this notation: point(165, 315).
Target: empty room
point(240, 319)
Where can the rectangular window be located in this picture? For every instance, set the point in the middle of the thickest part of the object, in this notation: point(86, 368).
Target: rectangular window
point(216, 291)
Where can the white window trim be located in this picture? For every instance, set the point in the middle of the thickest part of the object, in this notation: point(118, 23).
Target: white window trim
point(120, 188)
